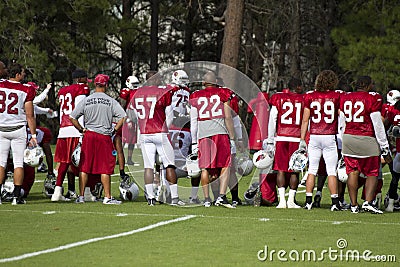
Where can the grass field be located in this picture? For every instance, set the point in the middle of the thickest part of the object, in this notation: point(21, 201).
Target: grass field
point(42, 233)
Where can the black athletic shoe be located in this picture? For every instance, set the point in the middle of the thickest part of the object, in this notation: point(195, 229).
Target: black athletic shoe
point(236, 202)
point(18, 201)
point(151, 201)
point(317, 201)
point(130, 162)
point(335, 207)
point(355, 209)
point(223, 201)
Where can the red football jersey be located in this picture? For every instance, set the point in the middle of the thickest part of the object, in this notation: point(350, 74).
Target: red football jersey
point(66, 97)
point(127, 94)
point(13, 96)
point(290, 113)
point(324, 108)
point(387, 108)
point(150, 103)
point(259, 125)
point(210, 102)
point(393, 116)
point(234, 103)
point(357, 107)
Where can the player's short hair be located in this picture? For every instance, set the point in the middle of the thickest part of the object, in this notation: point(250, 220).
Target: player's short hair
point(79, 73)
point(210, 78)
point(3, 70)
point(293, 83)
point(326, 80)
point(363, 82)
point(15, 69)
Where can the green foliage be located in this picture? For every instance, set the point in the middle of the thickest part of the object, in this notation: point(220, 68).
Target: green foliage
point(368, 41)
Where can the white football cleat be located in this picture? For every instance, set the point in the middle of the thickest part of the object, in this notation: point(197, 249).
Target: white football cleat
point(292, 205)
point(282, 205)
point(57, 195)
point(88, 197)
point(390, 205)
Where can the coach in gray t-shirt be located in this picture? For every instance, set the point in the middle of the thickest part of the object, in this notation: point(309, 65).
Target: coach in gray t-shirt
point(99, 111)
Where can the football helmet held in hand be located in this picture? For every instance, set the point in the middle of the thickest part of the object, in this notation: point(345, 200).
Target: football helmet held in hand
point(298, 161)
point(262, 160)
point(33, 156)
point(244, 165)
point(76, 155)
point(192, 165)
point(341, 171)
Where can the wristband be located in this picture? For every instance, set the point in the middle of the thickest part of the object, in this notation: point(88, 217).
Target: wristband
point(34, 136)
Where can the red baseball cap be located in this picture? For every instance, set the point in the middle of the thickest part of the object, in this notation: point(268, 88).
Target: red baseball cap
point(101, 79)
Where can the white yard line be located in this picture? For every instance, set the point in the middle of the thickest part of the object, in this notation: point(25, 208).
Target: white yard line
point(92, 240)
point(263, 219)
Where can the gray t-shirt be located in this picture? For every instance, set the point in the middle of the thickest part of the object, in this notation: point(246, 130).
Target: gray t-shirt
point(99, 111)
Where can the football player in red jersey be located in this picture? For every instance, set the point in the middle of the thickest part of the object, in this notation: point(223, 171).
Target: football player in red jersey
point(364, 140)
point(128, 133)
point(150, 102)
point(16, 108)
point(393, 118)
point(320, 118)
point(68, 136)
point(259, 125)
point(284, 130)
point(129, 129)
point(213, 135)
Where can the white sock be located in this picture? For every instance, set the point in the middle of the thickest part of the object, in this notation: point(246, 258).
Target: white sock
point(58, 190)
point(308, 194)
point(319, 193)
point(87, 191)
point(174, 190)
point(195, 190)
point(292, 194)
point(334, 196)
point(281, 192)
point(149, 190)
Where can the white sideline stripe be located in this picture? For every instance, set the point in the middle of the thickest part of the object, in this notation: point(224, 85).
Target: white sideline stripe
point(207, 216)
point(92, 240)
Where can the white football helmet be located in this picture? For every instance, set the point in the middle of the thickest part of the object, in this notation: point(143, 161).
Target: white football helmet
point(132, 82)
point(298, 161)
point(180, 77)
point(392, 96)
point(341, 171)
point(128, 191)
point(33, 156)
point(262, 160)
point(244, 165)
point(49, 185)
point(76, 155)
point(251, 193)
point(192, 165)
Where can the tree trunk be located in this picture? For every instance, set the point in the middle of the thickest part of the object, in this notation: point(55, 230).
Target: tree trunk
point(126, 44)
point(155, 6)
point(188, 47)
point(294, 50)
point(232, 32)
